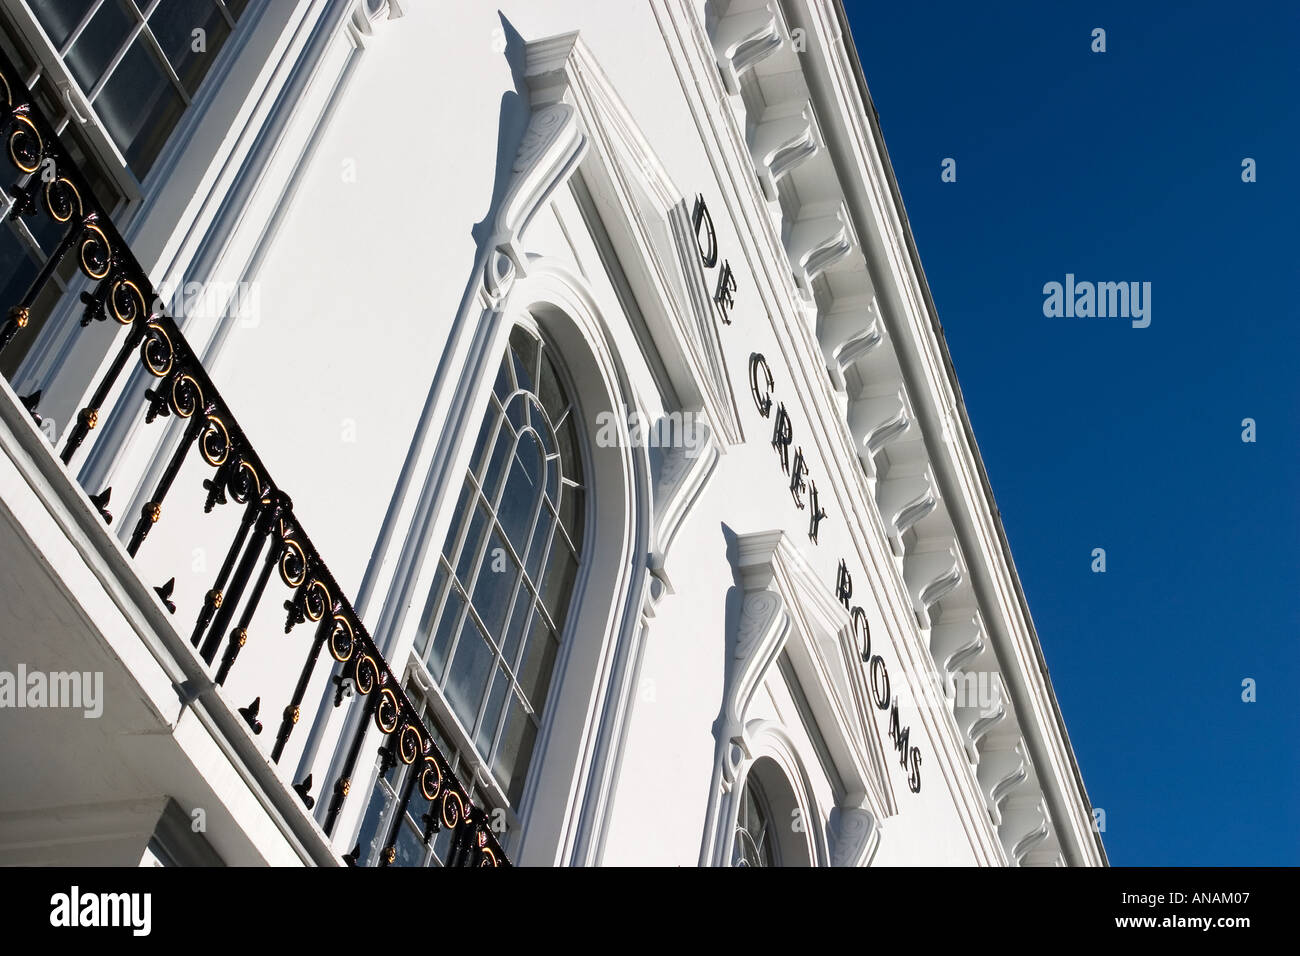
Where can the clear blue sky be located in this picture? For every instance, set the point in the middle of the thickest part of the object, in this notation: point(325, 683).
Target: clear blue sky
point(1126, 166)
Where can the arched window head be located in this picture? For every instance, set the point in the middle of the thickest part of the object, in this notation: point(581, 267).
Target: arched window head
point(496, 614)
point(754, 843)
point(772, 824)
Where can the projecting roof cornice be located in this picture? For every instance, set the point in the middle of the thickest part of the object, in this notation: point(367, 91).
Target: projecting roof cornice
point(870, 352)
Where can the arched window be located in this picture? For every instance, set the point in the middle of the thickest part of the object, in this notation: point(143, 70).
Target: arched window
point(491, 629)
point(497, 609)
point(772, 823)
point(754, 843)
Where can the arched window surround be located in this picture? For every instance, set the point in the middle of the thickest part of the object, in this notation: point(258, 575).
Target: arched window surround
point(580, 728)
point(779, 771)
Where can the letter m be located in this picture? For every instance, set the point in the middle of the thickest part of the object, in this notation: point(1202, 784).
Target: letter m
point(117, 904)
point(1109, 296)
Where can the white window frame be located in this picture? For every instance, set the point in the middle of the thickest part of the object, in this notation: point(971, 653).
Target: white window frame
point(53, 65)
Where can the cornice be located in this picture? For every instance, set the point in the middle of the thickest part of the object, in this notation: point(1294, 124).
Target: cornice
point(880, 385)
point(795, 320)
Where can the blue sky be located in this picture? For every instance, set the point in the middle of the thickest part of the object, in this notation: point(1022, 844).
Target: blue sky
point(1126, 166)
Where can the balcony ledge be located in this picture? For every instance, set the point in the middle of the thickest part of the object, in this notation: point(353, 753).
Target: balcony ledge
point(75, 602)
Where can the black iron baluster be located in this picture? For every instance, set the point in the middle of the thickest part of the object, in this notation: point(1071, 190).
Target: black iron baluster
point(216, 596)
point(239, 636)
point(231, 600)
point(21, 313)
point(456, 853)
point(343, 786)
point(390, 845)
point(124, 294)
point(89, 416)
point(294, 711)
point(152, 509)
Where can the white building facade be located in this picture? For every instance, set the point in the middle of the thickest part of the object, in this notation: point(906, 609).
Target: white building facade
point(529, 437)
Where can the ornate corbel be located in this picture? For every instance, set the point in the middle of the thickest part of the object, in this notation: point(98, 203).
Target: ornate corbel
point(855, 835)
point(551, 149)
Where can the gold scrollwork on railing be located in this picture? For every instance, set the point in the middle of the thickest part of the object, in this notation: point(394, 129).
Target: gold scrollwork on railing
point(56, 196)
point(96, 252)
point(293, 563)
point(127, 301)
point(316, 600)
point(342, 639)
point(156, 351)
point(430, 779)
point(187, 396)
point(388, 711)
point(214, 443)
point(20, 151)
point(451, 814)
point(242, 490)
point(366, 672)
point(409, 744)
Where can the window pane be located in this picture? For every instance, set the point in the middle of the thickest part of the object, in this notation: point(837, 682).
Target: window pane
point(442, 844)
point(106, 191)
point(523, 489)
point(467, 676)
point(98, 44)
point(431, 608)
point(47, 231)
point(410, 848)
point(515, 412)
point(510, 765)
point(173, 24)
point(140, 107)
point(18, 267)
point(458, 518)
point(416, 810)
point(46, 301)
point(60, 17)
point(501, 386)
point(549, 391)
point(447, 624)
point(517, 626)
point(496, 702)
point(557, 584)
point(480, 444)
point(469, 551)
point(572, 513)
point(537, 547)
point(567, 438)
point(523, 348)
point(495, 585)
point(379, 800)
point(496, 468)
point(524, 359)
point(539, 661)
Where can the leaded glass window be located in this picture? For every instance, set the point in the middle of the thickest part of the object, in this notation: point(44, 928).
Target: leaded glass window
point(496, 613)
point(754, 844)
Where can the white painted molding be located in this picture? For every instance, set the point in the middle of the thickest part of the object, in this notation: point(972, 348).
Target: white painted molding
point(857, 836)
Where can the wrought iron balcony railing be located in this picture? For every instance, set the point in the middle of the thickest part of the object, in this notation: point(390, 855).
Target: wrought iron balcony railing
point(268, 533)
